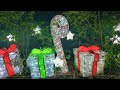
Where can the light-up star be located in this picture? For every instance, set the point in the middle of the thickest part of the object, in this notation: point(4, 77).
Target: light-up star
point(37, 30)
point(10, 37)
point(116, 39)
point(70, 35)
point(58, 62)
point(117, 28)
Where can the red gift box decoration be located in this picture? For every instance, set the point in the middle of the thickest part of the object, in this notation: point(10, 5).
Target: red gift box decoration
point(91, 49)
point(5, 54)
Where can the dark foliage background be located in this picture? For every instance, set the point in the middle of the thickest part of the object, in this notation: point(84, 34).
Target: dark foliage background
point(90, 28)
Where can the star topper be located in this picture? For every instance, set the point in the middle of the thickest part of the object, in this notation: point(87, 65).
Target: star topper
point(70, 35)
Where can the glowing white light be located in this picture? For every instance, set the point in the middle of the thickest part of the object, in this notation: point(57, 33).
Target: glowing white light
point(58, 62)
point(37, 30)
point(117, 28)
point(115, 39)
point(10, 37)
point(70, 35)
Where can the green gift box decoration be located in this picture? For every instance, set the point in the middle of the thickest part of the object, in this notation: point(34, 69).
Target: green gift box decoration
point(42, 59)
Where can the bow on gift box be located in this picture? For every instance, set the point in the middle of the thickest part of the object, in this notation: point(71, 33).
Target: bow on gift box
point(5, 54)
point(92, 49)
